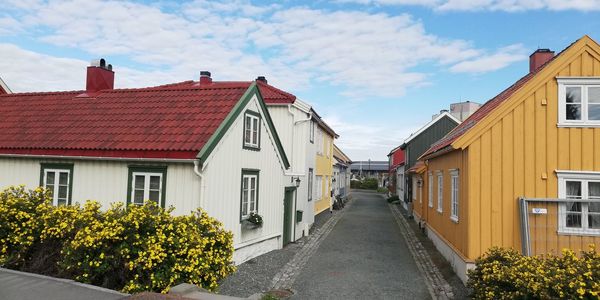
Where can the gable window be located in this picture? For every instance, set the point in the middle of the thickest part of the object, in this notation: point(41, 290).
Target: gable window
point(249, 193)
point(251, 130)
point(454, 195)
point(440, 191)
point(579, 101)
point(147, 183)
point(430, 190)
point(579, 217)
point(58, 178)
point(310, 184)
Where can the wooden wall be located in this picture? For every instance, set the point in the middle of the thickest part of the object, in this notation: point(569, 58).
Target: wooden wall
point(518, 155)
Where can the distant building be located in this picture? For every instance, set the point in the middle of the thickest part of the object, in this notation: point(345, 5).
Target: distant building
point(460, 110)
point(370, 169)
point(396, 171)
point(341, 172)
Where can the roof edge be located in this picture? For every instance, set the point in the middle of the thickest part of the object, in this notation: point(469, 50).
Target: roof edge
point(429, 124)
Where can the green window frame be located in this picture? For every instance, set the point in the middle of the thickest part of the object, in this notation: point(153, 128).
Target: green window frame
point(57, 169)
point(249, 195)
point(251, 134)
point(147, 173)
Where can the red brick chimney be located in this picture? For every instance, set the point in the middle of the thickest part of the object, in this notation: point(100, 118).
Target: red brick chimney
point(205, 78)
point(539, 58)
point(99, 77)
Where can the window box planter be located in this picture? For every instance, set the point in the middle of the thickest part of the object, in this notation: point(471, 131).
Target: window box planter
point(253, 221)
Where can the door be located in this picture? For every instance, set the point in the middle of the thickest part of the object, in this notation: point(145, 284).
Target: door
point(288, 207)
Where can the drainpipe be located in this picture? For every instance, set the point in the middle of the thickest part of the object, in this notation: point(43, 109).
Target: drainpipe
point(198, 172)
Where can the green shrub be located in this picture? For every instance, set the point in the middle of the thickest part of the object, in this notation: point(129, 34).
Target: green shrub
point(133, 249)
point(506, 274)
point(393, 198)
point(367, 184)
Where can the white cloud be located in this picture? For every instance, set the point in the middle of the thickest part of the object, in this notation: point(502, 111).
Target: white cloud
point(491, 5)
point(367, 140)
point(237, 40)
point(487, 63)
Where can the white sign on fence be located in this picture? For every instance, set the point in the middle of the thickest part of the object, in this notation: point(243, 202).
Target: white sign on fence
point(539, 211)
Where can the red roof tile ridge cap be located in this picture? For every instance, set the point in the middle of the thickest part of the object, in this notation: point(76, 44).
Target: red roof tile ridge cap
point(277, 90)
point(44, 93)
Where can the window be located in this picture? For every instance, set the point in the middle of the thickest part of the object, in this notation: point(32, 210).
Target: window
point(319, 181)
point(249, 193)
point(430, 190)
point(319, 143)
point(147, 183)
point(58, 178)
point(579, 101)
point(440, 194)
point(310, 184)
point(454, 195)
point(251, 130)
point(312, 132)
point(579, 217)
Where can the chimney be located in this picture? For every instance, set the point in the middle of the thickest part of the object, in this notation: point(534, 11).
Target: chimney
point(99, 76)
point(205, 77)
point(539, 58)
point(261, 78)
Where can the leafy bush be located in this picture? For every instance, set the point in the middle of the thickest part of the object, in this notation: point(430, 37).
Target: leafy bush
point(506, 274)
point(393, 199)
point(132, 249)
point(367, 183)
point(382, 190)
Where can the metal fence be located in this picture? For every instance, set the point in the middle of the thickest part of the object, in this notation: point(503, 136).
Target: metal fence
point(550, 225)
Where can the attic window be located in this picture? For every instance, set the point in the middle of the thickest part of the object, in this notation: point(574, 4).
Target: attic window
point(579, 101)
point(251, 130)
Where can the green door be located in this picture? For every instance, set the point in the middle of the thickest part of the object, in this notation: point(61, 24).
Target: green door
point(287, 216)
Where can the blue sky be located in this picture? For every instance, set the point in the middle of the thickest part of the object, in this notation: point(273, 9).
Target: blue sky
point(376, 70)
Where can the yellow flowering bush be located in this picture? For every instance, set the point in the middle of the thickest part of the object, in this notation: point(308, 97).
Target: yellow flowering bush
point(506, 274)
point(20, 225)
point(133, 249)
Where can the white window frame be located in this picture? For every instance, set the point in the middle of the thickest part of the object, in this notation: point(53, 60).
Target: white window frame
point(312, 132)
point(147, 176)
point(319, 142)
point(250, 192)
point(319, 180)
point(584, 178)
point(440, 191)
point(56, 183)
point(430, 190)
point(454, 194)
point(252, 143)
point(311, 181)
point(584, 83)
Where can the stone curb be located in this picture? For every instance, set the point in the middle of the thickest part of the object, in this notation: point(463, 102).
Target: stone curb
point(436, 284)
point(288, 274)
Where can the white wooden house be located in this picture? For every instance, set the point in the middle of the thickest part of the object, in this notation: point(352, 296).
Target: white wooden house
point(190, 144)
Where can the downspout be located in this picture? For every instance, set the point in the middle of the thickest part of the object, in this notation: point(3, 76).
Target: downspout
point(198, 172)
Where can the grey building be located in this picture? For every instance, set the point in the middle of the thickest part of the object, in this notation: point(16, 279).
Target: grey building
point(417, 143)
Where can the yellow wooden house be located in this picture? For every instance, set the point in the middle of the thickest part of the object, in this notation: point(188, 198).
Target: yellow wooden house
point(524, 170)
point(323, 140)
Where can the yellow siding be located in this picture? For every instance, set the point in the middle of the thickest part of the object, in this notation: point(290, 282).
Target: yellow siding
point(324, 167)
point(511, 157)
point(455, 234)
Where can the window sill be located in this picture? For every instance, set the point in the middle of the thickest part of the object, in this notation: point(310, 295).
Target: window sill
point(251, 148)
point(578, 125)
point(454, 219)
point(440, 211)
point(581, 232)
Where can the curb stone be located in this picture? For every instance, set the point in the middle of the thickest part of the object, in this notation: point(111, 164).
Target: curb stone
point(436, 284)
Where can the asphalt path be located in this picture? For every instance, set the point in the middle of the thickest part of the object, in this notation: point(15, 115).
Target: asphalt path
point(364, 257)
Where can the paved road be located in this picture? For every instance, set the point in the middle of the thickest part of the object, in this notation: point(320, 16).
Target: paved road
point(364, 257)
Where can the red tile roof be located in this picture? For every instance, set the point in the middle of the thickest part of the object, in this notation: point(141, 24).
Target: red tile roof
point(273, 95)
point(446, 142)
point(169, 121)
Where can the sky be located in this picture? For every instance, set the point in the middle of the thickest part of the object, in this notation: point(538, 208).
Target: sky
point(375, 70)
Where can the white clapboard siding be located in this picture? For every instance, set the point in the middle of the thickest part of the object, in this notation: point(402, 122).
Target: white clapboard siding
point(222, 176)
point(106, 181)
